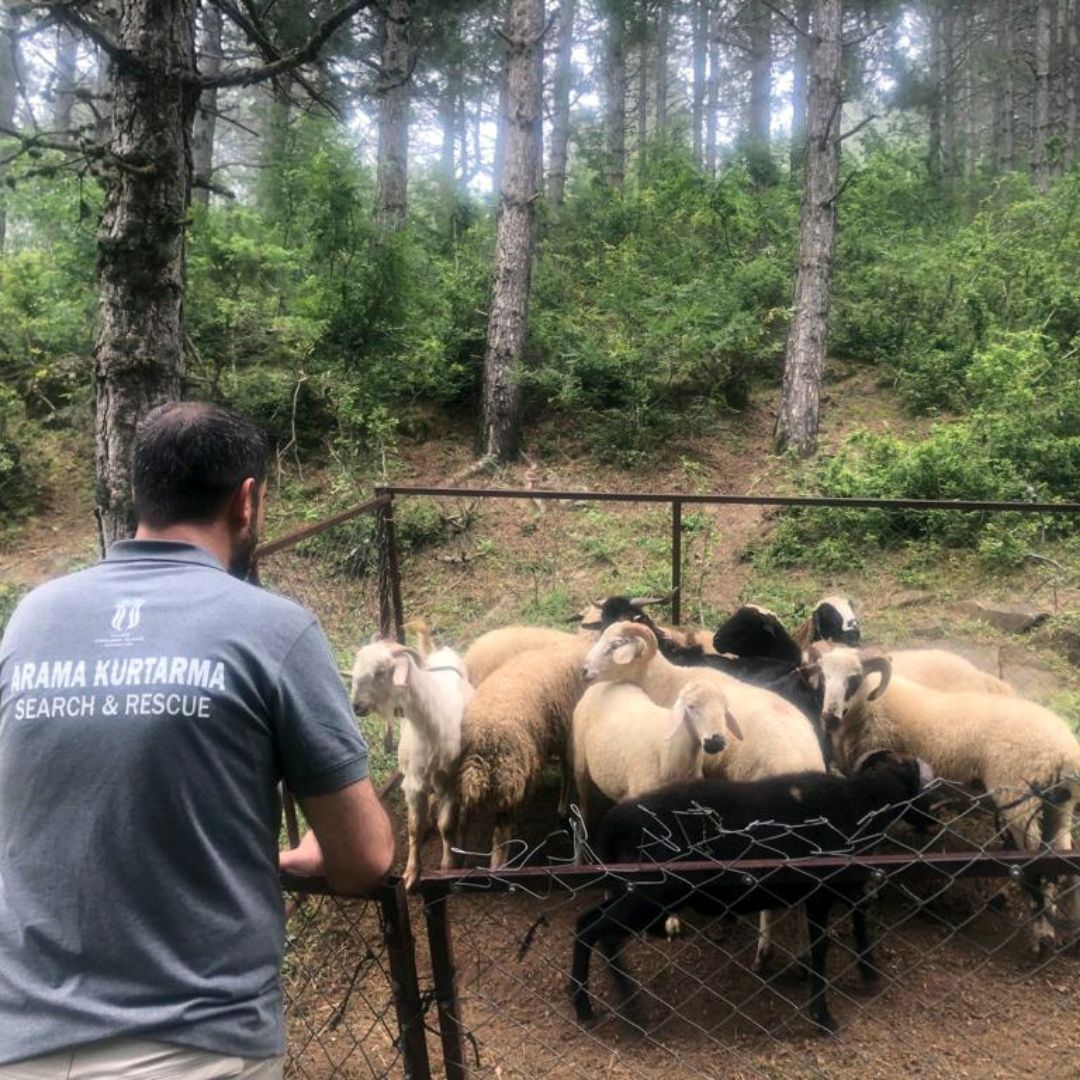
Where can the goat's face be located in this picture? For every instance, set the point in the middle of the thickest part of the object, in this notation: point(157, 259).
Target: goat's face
point(620, 646)
point(372, 677)
point(834, 620)
point(842, 674)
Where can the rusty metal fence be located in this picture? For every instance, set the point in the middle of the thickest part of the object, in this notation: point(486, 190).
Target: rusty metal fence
point(959, 989)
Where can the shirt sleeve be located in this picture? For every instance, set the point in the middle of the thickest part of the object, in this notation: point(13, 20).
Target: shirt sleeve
point(321, 747)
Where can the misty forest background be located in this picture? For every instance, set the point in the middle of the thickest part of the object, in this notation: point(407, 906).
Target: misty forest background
point(360, 223)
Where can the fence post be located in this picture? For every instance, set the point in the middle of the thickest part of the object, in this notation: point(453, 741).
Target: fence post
point(397, 933)
point(676, 561)
point(391, 616)
point(445, 975)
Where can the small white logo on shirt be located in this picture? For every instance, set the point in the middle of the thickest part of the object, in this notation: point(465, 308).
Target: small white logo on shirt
point(127, 614)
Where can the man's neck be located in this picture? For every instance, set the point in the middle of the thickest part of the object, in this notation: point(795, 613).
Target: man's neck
point(213, 537)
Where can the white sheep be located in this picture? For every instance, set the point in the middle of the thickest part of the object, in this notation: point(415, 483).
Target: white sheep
point(772, 736)
point(625, 745)
point(518, 718)
point(944, 670)
point(493, 649)
point(432, 696)
point(1022, 754)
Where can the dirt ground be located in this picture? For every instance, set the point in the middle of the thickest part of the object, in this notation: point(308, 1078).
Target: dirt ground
point(961, 996)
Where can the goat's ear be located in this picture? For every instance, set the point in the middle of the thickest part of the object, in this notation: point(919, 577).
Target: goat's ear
point(627, 652)
point(402, 664)
point(733, 724)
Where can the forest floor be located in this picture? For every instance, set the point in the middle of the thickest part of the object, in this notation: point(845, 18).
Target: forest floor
point(961, 998)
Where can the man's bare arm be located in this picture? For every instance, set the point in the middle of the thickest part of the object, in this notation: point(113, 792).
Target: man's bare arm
point(351, 842)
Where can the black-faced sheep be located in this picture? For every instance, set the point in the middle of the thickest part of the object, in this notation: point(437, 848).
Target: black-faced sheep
point(781, 817)
point(1023, 755)
point(833, 619)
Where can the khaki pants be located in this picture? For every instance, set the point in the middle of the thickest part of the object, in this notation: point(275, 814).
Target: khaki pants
point(141, 1059)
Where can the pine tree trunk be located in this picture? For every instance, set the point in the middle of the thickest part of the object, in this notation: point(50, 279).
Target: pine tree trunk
point(202, 142)
point(1059, 76)
point(140, 341)
point(392, 171)
point(500, 127)
point(712, 104)
point(560, 113)
point(935, 152)
point(1040, 149)
point(615, 95)
point(9, 91)
point(662, 22)
point(760, 77)
point(642, 106)
point(67, 58)
point(948, 79)
point(1072, 86)
point(804, 363)
point(500, 435)
point(1005, 85)
point(798, 83)
point(698, 48)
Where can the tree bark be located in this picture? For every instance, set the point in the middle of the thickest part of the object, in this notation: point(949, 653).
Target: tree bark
point(760, 114)
point(615, 94)
point(202, 142)
point(395, 62)
point(798, 83)
point(67, 58)
point(948, 78)
point(500, 435)
point(1060, 79)
point(1005, 88)
point(662, 23)
point(1041, 133)
point(560, 113)
point(798, 419)
point(9, 92)
point(500, 127)
point(140, 341)
point(1072, 86)
point(712, 97)
point(699, 30)
point(935, 155)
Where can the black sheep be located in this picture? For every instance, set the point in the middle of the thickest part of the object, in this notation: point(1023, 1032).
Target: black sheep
point(724, 820)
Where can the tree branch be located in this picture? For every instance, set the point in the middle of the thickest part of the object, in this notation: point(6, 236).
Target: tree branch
point(858, 127)
point(787, 18)
point(294, 58)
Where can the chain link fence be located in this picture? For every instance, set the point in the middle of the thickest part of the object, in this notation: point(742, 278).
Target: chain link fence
point(960, 991)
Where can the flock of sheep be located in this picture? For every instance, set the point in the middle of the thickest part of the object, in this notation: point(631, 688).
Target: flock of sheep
point(796, 742)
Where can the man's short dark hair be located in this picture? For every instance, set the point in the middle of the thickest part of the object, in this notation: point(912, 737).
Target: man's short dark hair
point(189, 457)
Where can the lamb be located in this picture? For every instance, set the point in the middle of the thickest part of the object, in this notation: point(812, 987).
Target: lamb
point(518, 718)
point(721, 820)
point(775, 737)
point(493, 649)
point(833, 619)
point(944, 670)
point(432, 698)
point(1023, 755)
point(626, 745)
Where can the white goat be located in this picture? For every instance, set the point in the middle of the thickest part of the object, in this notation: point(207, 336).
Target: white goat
point(626, 745)
point(432, 697)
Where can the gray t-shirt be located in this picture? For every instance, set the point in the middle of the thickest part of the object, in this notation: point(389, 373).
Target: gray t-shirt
point(148, 708)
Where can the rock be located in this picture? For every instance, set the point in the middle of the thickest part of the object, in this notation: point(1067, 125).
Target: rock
point(1067, 642)
point(910, 598)
point(1012, 618)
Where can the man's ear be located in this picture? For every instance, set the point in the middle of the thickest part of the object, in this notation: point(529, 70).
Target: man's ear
point(242, 504)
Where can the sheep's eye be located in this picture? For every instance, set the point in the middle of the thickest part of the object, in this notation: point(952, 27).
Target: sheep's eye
point(853, 684)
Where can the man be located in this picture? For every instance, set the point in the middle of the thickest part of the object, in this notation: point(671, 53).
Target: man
point(148, 708)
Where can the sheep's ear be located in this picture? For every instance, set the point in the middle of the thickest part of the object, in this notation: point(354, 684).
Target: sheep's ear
point(678, 716)
point(577, 617)
point(625, 653)
point(375, 638)
point(733, 724)
point(401, 669)
point(591, 625)
point(810, 674)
